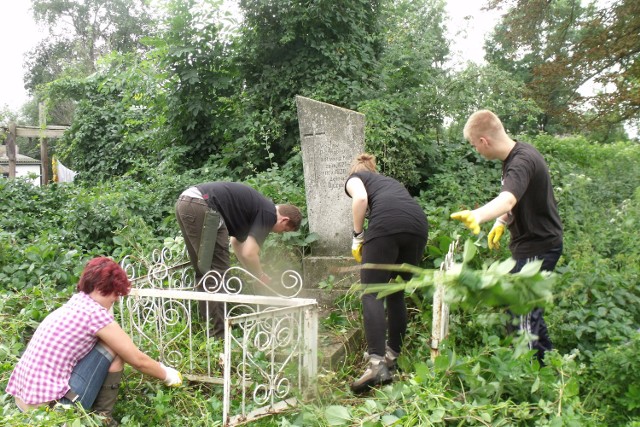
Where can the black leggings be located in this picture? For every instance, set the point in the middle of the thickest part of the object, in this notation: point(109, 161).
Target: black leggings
point(393, 249)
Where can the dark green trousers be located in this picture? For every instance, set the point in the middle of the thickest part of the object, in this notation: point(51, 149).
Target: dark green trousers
point(195, 219)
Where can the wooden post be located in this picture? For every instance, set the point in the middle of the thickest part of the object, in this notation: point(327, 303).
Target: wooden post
point(436, 323)
point(440, 320)
point(11, 150)
point(44, 159)
point(44, 152)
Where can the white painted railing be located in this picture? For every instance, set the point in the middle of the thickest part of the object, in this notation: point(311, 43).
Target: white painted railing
point(269, 353)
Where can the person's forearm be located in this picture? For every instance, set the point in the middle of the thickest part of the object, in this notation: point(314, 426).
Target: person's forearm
point(119, 343)
point(496, 208)
point(248, 254)
point(145, 364)
point(252, 263)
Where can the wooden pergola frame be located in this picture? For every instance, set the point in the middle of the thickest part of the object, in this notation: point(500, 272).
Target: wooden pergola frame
point(44, 133)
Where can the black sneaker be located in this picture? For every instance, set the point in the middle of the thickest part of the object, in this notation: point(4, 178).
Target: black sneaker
point(376, 373)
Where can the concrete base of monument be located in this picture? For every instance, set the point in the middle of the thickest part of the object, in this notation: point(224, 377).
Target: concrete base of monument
point(337, 348)
point(326, 279)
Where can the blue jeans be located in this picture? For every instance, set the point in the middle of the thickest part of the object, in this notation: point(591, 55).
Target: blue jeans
point(88, 375)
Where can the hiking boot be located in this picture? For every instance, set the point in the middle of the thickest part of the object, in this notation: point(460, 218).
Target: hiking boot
point(376, 373)
point(391, 359)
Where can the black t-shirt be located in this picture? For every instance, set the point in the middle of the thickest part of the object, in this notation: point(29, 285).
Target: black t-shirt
point(245, 211)
point(392, 210)
point(534, 223)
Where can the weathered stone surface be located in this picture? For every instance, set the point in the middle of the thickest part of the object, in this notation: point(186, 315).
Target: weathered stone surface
point(330, 137)
point(317, 269)
point(334, 350)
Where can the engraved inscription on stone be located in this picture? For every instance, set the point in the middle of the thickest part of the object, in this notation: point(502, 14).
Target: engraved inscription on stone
point(330, 137)
point(332, 164)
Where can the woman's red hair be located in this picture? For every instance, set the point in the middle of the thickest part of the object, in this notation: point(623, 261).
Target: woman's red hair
point(106, 276)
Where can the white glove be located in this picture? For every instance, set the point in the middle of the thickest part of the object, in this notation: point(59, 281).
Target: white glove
point(173, 378)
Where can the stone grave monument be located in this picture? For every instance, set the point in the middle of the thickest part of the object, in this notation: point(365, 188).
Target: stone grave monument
point(330, 138)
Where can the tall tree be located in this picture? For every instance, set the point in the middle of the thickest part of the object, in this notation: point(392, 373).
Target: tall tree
point(323, 49)
point(534, 33)
point(120, 120)
point(90, 28)
point(477, 87)
point(405, 112)
point(194, 51)
point(80, 32)
point(581, 63)
point(608, 56)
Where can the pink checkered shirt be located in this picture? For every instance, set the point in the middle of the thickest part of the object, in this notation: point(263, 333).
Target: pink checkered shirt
point(64, 337)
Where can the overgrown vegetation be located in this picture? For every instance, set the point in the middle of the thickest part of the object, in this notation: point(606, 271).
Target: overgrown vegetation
point(192, 95)
point(482, 376)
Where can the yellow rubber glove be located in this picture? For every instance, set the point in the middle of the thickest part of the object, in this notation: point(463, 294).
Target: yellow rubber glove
point(495, 234)
point(356, 246)
point(468, 219)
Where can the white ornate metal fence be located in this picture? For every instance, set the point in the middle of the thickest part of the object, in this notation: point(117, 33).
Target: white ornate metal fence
point(269, 353)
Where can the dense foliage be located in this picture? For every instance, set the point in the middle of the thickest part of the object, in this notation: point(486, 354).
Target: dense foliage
point(482, 377)
point(216, 90)
point(194, 93)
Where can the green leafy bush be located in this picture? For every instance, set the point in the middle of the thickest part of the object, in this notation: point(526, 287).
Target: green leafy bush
point(482, 377)
point(611, 383)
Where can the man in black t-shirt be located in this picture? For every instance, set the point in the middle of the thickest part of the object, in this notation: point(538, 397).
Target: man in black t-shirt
point(525, 204)
point(211, 214)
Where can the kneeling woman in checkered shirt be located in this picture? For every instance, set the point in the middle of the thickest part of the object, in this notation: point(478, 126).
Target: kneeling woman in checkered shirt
point(78, 352)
